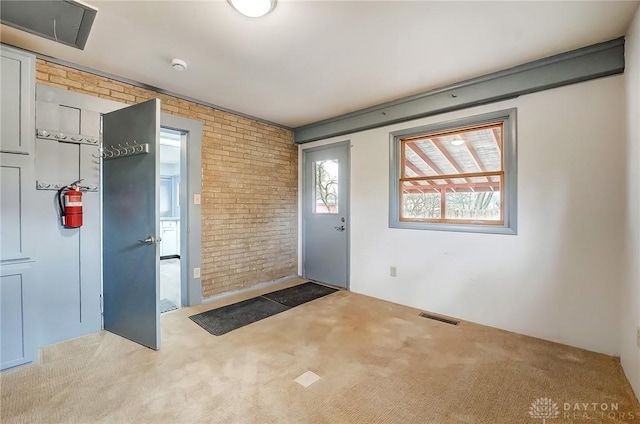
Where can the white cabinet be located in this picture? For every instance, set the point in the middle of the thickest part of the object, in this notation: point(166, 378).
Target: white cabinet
point(170, 233)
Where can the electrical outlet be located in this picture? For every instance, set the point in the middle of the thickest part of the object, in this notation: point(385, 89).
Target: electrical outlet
point(638, 337)
point(393, 271)
point(196, 272)
point(196, 199)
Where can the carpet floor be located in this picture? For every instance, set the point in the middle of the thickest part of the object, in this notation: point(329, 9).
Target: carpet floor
point(377, 362)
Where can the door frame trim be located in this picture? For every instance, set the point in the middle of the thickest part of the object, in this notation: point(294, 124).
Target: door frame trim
point(347, 144)
point(190, 214)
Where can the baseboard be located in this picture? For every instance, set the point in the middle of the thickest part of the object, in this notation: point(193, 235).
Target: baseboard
point(258, 286)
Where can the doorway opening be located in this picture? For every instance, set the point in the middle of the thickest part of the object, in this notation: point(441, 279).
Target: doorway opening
point(131, 234)
point(170, 222)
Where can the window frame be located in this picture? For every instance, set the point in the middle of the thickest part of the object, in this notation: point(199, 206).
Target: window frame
point(509, 168)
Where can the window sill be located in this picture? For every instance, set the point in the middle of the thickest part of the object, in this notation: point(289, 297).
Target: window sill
point(461, 228)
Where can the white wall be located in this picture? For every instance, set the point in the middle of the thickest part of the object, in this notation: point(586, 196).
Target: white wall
point(559, 278)
point(630, 310)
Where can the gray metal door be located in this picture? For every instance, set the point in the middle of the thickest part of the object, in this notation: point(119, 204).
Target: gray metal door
point(130, 203)
point(326, 214)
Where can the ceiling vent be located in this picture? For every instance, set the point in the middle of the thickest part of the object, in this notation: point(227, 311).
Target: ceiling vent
point(65, 21)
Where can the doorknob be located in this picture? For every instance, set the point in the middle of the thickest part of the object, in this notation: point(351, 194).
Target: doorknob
point(148, 240)
point(340, 228)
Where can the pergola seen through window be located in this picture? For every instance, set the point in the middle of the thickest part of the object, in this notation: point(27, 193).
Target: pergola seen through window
point(454, 176)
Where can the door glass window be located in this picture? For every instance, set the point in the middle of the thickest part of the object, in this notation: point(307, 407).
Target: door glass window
point(326, 186)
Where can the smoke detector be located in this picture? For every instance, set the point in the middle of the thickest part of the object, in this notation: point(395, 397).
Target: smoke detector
point(179, 64)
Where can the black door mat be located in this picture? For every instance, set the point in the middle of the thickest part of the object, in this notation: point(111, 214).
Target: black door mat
point(231, 317)
point(297, 295)
point(166, 305)
point(222, 320)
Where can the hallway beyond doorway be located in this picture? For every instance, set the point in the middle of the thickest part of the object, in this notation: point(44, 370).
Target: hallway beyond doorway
point(169, 284)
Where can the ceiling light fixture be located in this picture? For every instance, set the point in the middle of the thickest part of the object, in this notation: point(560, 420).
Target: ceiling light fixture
point(457, 140)
point(179, 64)
point(253, 8)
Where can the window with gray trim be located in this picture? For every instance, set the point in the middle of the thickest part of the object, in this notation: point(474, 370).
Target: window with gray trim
point(456, 176)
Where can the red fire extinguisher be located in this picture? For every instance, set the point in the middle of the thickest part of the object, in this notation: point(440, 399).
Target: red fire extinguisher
point(71, 206)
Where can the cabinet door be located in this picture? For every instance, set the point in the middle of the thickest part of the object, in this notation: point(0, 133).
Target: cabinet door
point(17, 100)
point(17, 345)
point(16, 208)
point(68, 260)
point(168, 244)
point(17, 282)
point(62, 115)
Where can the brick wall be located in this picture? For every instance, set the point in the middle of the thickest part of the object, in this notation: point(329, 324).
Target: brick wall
point(249, 184)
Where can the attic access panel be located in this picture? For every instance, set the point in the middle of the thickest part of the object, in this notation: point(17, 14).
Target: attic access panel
point(65, 21)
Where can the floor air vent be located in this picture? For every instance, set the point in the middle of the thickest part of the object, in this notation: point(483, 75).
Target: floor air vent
point(441, 319)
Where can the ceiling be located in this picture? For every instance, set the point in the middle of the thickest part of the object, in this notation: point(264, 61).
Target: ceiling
point(313, 60)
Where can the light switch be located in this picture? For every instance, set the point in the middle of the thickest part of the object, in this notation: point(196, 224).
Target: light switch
point(196, 272)
point(196, 199)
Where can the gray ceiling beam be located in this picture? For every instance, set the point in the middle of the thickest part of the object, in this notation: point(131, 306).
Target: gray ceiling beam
point(595, 61)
